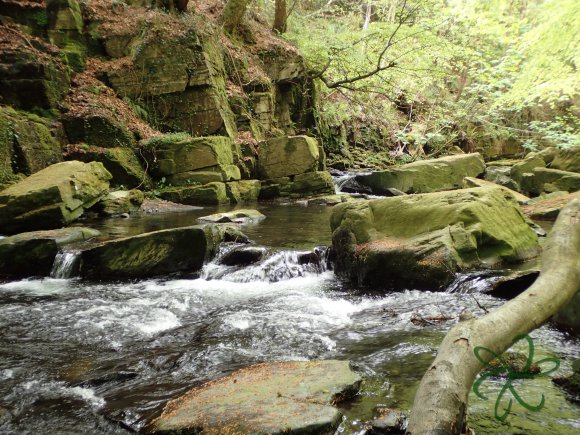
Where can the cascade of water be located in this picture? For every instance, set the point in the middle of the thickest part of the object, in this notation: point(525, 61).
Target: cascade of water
point(474, 282)
point(65, 264)
point(260, 264)
point(346, 183)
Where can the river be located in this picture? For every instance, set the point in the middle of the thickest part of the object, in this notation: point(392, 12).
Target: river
point(103, 357)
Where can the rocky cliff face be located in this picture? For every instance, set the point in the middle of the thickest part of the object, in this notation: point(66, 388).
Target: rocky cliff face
point(92, 80)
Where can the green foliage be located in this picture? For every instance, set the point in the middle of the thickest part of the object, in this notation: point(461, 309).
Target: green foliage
point(467, 73)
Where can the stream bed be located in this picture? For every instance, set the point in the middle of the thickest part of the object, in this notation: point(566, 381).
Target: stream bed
point(104, 357)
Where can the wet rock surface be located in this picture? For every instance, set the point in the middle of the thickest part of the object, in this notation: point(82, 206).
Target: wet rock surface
point(285, 397)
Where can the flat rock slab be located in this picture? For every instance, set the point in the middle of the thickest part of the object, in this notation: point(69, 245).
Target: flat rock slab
point(283, 397)
point(236, 216)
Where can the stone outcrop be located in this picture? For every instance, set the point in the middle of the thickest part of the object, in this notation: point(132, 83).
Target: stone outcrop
point(38, 248)
point(445, 173)
point(121, 162)
point(177, 250)
point(185, 160)
point(308, 184)
point(288, 156)
point(208, 194)
point(52, 197)
point(274, 398)
point(549, 180)
point(27, 144)
point(420, 241)
point(30, 77)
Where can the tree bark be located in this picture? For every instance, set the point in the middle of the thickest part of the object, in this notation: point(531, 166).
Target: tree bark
point(280, 16)
point(233, 14)
point(440, 403)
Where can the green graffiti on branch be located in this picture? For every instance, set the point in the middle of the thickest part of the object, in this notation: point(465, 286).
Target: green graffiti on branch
point(512, 376)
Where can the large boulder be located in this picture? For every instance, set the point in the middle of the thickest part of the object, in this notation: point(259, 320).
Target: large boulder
point(308, 184)
point(19, 252)
point(287, 156)
point(273, 398)
point(567, 160)
point(186, 160)
point(161, 252)
point(27, 144)
point(52, 197)
point(420, 241)
point(535, 159)
point(121, 162)
point(445, 173)
point(549, 180)
point(547, 207)
point(208, 194)
point(120, 202)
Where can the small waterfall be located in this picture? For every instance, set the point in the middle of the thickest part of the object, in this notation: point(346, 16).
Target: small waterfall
point(346, 183)
point(65, 265)
point(241, 263)
point(481, 281)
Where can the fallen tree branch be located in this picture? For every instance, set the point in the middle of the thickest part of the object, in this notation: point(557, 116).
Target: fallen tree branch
point(440, 404)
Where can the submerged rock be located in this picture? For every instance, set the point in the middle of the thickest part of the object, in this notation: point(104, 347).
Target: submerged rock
point(445, 173)
point(161, 252)
point(236, 216)
point(274, 398)
point(52, 197)
point(420, 241)
point(38, 248)
point(387, 421)
point(286, 156)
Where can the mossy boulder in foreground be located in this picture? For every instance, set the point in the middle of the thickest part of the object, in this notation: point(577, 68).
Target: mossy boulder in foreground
point(420, 241)
point(161, 252)
point(433, 175)
point(273, 398)
point(52, 197)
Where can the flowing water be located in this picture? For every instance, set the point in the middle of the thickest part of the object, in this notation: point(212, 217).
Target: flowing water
point(103, 357)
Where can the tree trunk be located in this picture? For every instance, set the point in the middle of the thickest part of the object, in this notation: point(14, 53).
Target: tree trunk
point(440, 403)
point(233, 14)
point(280, 16)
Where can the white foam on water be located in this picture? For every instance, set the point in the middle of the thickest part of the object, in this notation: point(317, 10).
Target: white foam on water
point(86, 394)
point(6, 374)
point(159, 320)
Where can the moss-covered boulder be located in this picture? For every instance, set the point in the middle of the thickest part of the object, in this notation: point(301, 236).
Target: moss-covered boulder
point(65, 29)
point(535, 159)
point(286, 156)
point(549, 180)
point(207, 194)
point(243, 191)
point(99, 129)
point(27, 144)
point(30, 76)
point(445, 173)
point(187, 160)
point(157, 253)
point(299, 186)
point(52, 197)
point(273, 398)
point(38, 248)
point(567, 160)
point(120, 202)
point(476, 182)
point(420, 241)
point(123, 163)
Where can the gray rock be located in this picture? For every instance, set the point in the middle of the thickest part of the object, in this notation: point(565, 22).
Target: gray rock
point(240, 216)
point(274, 398)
